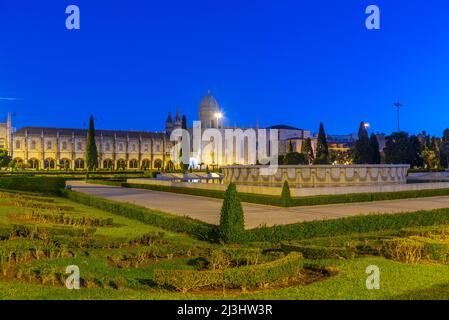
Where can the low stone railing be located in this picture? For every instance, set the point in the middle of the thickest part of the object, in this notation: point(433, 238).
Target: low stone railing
point(318, 175)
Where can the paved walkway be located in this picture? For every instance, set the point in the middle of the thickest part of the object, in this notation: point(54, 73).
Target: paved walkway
point(208, 209)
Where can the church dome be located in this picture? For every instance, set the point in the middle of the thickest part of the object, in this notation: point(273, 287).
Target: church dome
point(208, 108)
point(209, 103)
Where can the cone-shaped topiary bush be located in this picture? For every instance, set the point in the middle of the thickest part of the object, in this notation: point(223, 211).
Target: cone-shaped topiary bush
point(286, 198)
point(232, 221)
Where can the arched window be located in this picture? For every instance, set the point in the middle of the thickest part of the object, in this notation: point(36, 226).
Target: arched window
point(120, 147)
point(49, 164)
point(64, 164)
point(33, 145)
point(158, 164)
point(133, 164)
point(133, 147)
point(108, 164)
point(49, 145)
point(79, 146)
point(17, 144)
point(79, 164)
point(121, 164)
point(33, 164)
point(64, 145)
point(107, 147)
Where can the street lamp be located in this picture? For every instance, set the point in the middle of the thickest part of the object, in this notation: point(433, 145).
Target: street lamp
point(218, 116)
point(398, 105)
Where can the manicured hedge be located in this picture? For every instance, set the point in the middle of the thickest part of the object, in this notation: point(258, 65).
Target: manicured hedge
point(255, 276)
point(266, 273)
point(297, 201)
point(414, 249)
point(318, 252)
point(185, 280)
point(244, 197)
point(344, 226)
point(45, 185)
point(157, 218)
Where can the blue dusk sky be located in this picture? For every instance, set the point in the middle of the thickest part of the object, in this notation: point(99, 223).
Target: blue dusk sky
point(291, 62)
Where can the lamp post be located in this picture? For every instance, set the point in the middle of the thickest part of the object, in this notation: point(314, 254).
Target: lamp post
point(398, 106)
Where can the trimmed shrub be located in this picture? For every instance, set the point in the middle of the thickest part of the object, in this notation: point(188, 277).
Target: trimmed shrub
point(427, 232)
point(433, 249)
point(286, 198)
point(256, 276)
point(45, 185)
point(403, 250)
point(414, 249)
point(260, 275)
point(196, 228)
point(232, 224)
point(317, 252)
point(186, 280)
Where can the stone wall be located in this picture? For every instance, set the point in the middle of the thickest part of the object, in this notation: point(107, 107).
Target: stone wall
point(318, 176)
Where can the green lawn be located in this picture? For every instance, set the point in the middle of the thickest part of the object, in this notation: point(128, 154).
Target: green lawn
point(116, 254)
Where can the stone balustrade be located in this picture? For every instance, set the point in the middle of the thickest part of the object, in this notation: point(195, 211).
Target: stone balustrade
point(318, 175)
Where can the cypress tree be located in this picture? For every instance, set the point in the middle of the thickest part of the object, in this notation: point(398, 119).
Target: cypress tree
point(374, 146)
point(322, 150)
point(286, 198)
point(91, 148)
point(362, 152)
point(232, 221)
point(307, 149)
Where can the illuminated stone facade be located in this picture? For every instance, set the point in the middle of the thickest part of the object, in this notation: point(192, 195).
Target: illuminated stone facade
point(318, 176)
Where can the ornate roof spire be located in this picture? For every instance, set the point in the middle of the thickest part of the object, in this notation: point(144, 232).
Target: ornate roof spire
point(169, 119)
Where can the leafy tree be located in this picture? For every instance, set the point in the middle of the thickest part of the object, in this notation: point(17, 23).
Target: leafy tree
point(5, 159)
point(402, 149)
point(307, 150)
point(286, 198)
point(362, 151)
point(322, 149)
point(341, 156)
point(294, 158)
point(396, 146)
point(444, 149)
point(232, 221)
point(374, 148)
point(92, 152)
